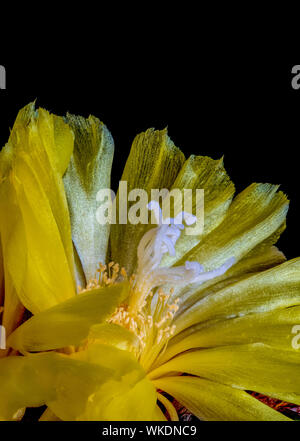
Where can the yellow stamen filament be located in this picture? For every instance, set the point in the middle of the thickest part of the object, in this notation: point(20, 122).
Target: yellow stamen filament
point(152, 324)
point(108, 275)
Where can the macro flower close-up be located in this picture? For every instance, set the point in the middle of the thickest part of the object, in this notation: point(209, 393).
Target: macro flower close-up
point(139, 321)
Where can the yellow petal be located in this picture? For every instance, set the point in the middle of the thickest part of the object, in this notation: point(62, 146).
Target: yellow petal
point(119, 398)
point(253, 223)
point(115, 335)
point(11, 310)
point(88, 172)
point(253, 217)
point(36, 380)
point(58, 139)
point(40, 262)
point(1, 276)
point(11, 230)
point(271, 371)
point(69, 322)
point(153, 163)
point(254, 262)
point(48, 278)
point(46, 142)
point(123, 362)
point(278, 287)
point(212, 401)
point(75, 389)
point(117, 401)
point(12, 314)
point(20, 386)
point(273, 328)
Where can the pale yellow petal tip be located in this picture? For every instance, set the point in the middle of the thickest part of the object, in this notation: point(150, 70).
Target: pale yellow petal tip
point(25, 114)
point(154, 138)
point(34, 126)
point(266, 188)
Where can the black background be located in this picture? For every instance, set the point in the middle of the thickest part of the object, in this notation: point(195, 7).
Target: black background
point(219, 100)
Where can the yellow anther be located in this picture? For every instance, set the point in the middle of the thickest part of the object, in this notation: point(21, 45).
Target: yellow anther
point(124, 273)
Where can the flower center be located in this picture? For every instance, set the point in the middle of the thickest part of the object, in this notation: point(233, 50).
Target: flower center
point(148, 314)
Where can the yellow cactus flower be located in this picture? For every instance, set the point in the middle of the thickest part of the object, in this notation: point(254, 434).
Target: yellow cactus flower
point(123, 318)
